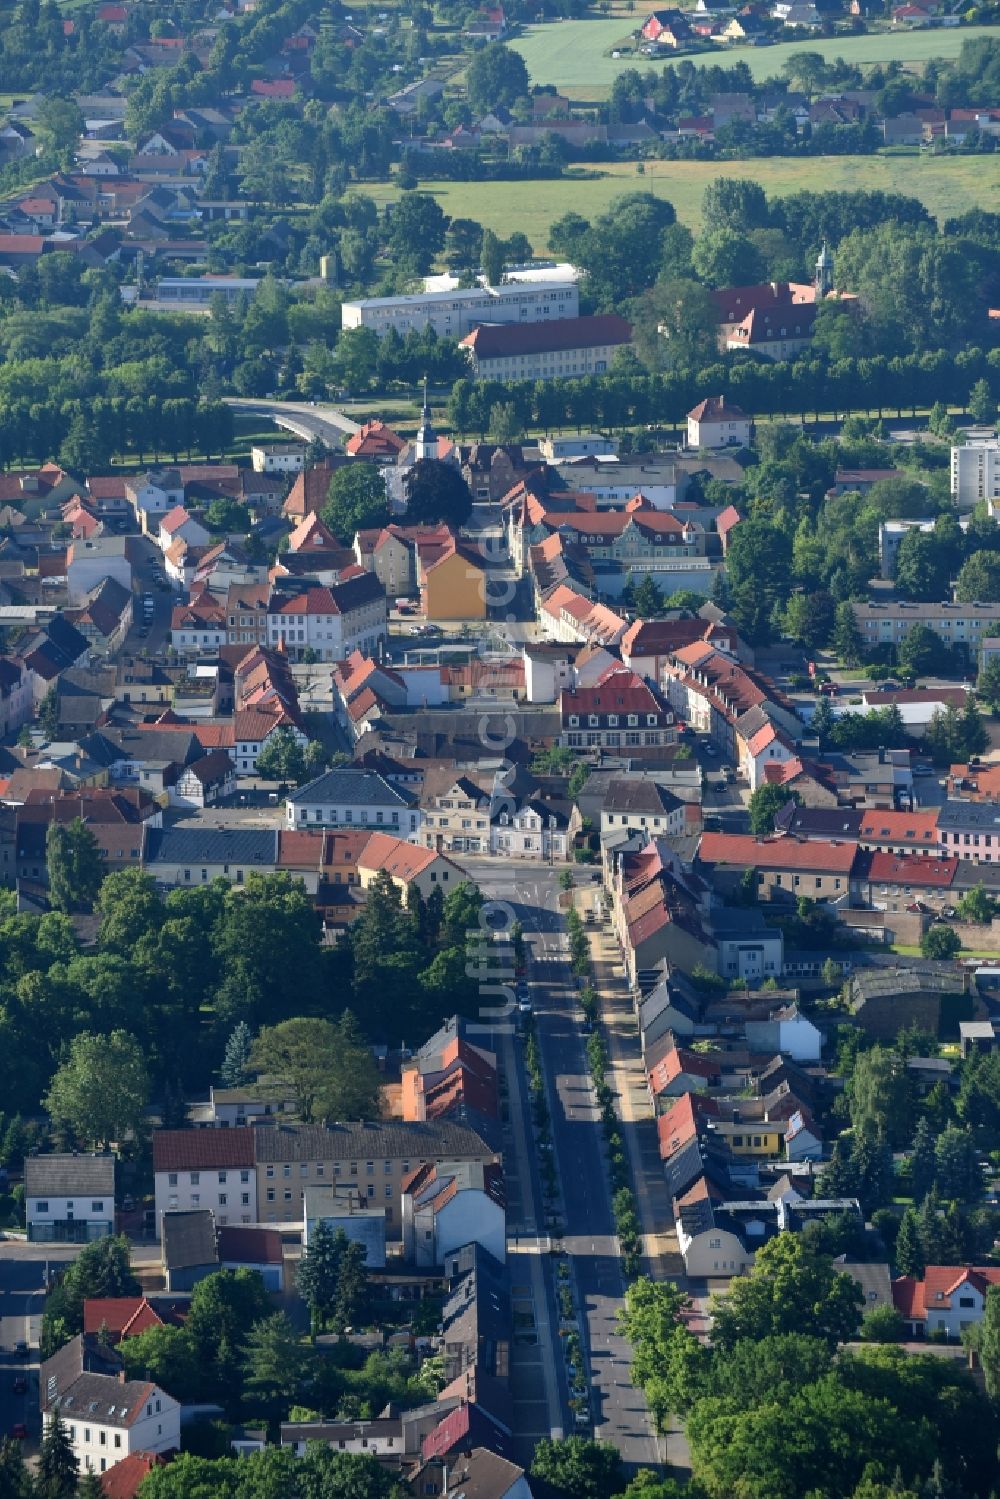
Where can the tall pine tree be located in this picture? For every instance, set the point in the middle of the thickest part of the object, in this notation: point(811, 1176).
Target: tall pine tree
point(58, 1469)
point(909, 1247)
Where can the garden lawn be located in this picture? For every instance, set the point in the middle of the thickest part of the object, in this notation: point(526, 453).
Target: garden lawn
point(576, 55)
point(946, 185)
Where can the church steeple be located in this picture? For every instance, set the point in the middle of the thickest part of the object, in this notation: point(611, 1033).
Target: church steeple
point(824, 272)
point(425, 445)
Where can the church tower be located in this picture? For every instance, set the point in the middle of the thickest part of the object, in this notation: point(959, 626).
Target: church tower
point(824, 272)
point(425, 444)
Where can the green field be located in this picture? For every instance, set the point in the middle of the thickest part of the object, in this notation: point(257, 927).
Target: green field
point(576, 55)
point(946, 185)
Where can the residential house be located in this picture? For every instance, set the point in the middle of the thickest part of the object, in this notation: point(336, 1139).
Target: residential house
point(888, 832)
point(329, 623)
point(277, 457)
point(452, 1077)
point(198, 855)
point(69, 1199)
point(456, 811)
point(205, 1168)
point(452, 581)
point(785, 869)
point(105, 617)
point(946, 1301)
point(106, 1417)
point(717, 423)
point(640, 804)
point(199, 627)
point(90, 561)
point(391, 553)
point(970, 829)
point(446, 1204)
point(179, 525)
point(349, 797)
point(373, 1158)
point(539, 828)
point(406, 865)
point(205, 782)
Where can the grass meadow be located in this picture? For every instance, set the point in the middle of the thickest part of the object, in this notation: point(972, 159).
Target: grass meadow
point(946, 185)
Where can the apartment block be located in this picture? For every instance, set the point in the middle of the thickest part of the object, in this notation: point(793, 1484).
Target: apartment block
point(452, 314)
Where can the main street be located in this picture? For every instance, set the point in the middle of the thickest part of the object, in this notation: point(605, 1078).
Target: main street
point(23, 1270)
point(619, 1412)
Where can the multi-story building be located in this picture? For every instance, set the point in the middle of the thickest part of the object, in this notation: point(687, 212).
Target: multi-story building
point(453, 313)
point(716, 423)
point(89, 562)
point(456, 811)
point(975, 472)
point(331, 622)
point(69, 1199)
point(106, 1416)
point(205, 1168)
point(965, 625)
point(350, 797)
point(372, 1158)
point(638, 804)
point(971, 830)
point(786, 869)
point(621, 711)
point(566, 348)
point(278, 457)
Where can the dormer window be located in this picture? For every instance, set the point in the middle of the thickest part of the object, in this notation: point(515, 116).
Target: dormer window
point(574, 720)
point(593, 720)
point(613, 720)
point(633, 720)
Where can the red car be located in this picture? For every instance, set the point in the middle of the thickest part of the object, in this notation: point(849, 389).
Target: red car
point(19, 1431)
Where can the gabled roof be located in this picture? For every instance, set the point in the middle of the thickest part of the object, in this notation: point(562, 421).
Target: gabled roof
point(918, 828)
point(121, 1316)
point(202, 1149)
point(401, 860)
point(741, 851)
point(124, 1479)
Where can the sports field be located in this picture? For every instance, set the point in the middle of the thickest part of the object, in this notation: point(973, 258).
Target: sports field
point(947, 186)
point(576, 55)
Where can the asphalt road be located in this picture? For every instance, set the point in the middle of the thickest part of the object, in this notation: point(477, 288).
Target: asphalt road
point(22, 1296)
point(156, 625)
point(619, 1412)
point(304, 419)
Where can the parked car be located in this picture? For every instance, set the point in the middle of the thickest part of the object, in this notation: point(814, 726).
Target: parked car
point(20, 1385)
point(524, 1005)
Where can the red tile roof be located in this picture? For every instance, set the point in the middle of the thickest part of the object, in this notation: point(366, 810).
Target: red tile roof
point(375, 440)
point(202, 1149)
point(913, 1298)
point(913, 869)
point(918, 828)
point(741, 851)
point(124, 1479)
point(122, 1316)
point(251, 1246)
point(507, 340)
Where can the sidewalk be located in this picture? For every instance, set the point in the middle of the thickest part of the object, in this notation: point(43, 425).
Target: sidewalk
point(635, 1107)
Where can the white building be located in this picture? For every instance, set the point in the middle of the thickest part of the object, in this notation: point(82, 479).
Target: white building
point(448, 1204)
point(565, 348)
point(278, 457)
point(152, 494)
point(332, 622)
point(639, 804)
point(716, 423)
point(975, 471)
point(107, 1420)
point(69, 1199)
point(565, 447)
point(354, 798)
point(534, 831)
point(453, 313)
point(178, 524)
point(90, 561)
point(205, 1168)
